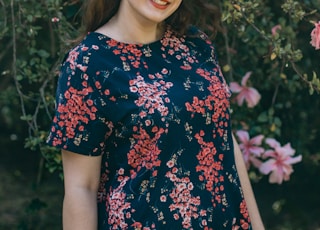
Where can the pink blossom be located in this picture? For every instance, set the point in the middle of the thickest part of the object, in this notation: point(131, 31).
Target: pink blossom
point(249, 94)
point(315, 36)
point(250, 148)
point(280, 161)
point(55, 19)
point(275, 29)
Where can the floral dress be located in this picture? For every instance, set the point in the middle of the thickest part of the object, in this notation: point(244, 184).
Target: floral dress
point(158, 114)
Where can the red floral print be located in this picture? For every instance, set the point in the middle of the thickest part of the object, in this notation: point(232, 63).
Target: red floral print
point(145, 152)
point(184, 205)
point(76, 109)
point(152, 96)
point(210, 167)
point(130, 54)
point(179, 50)
point(72, 57)
point(117, 208)
point(183, 202)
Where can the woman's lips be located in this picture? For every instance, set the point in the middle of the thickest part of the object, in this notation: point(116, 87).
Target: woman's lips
point(160, 4)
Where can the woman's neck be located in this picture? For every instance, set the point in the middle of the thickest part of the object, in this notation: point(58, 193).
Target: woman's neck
point(132, 30)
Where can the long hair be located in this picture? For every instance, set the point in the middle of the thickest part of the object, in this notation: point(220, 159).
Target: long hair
point(201, 13)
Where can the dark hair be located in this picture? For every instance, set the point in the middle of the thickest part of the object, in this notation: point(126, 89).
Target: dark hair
point(201, 13)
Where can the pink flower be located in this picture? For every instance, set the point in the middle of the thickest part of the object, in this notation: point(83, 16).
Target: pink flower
point(250, 148)
point(55, 19)
point(275, 29)
point(315, 36)
point(280, 161)
point(249, 94)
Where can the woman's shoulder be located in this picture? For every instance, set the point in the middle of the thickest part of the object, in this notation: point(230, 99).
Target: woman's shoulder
point(195, 31)
point(90, 51)
point(201, 41)
point(91, 43)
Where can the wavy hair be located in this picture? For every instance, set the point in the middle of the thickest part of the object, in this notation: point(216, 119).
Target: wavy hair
point(201, 13)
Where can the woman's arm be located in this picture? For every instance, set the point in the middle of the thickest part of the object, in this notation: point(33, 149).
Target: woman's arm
point(81, 181)
point(247, 189)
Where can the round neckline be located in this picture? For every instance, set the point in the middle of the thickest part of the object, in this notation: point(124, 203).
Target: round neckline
point(165, 35)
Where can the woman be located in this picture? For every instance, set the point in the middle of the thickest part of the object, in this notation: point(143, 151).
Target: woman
point(142, 120)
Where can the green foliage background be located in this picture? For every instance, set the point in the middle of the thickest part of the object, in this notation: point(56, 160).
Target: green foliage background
point(285, 69)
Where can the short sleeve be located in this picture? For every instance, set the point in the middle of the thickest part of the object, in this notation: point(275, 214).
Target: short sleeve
point(79, 124)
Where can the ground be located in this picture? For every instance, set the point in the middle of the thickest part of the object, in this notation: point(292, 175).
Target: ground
point(28, 203)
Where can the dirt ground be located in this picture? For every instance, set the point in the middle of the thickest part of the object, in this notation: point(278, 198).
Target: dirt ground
point(26, 205)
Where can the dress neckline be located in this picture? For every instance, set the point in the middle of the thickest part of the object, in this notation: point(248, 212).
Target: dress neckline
point(167, 33)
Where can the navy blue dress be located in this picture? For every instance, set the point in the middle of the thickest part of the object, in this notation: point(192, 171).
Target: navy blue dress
point(158, 113)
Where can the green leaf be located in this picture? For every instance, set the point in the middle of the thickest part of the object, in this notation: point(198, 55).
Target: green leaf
point(43, 53)
point(263, 117)
point(26, 118)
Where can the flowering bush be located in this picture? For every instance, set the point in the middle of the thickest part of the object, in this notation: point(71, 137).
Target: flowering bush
point(278, 160)
point(248, 94)
point(268, 60)
point(251, 148)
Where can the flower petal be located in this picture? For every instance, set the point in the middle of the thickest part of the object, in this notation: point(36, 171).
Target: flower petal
point(275, 29)
point(293, 160)
point(256, 150)
point(269, 153)
point(252, 97)
point(288, 149)
point(267, 166)
point(240, 98)
point(276, 177)
point(272, 142)
point(255, 162)
point(243, 136)
point(245, 78)
point(315, 36)
point(235, 87)
point(257, 140)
